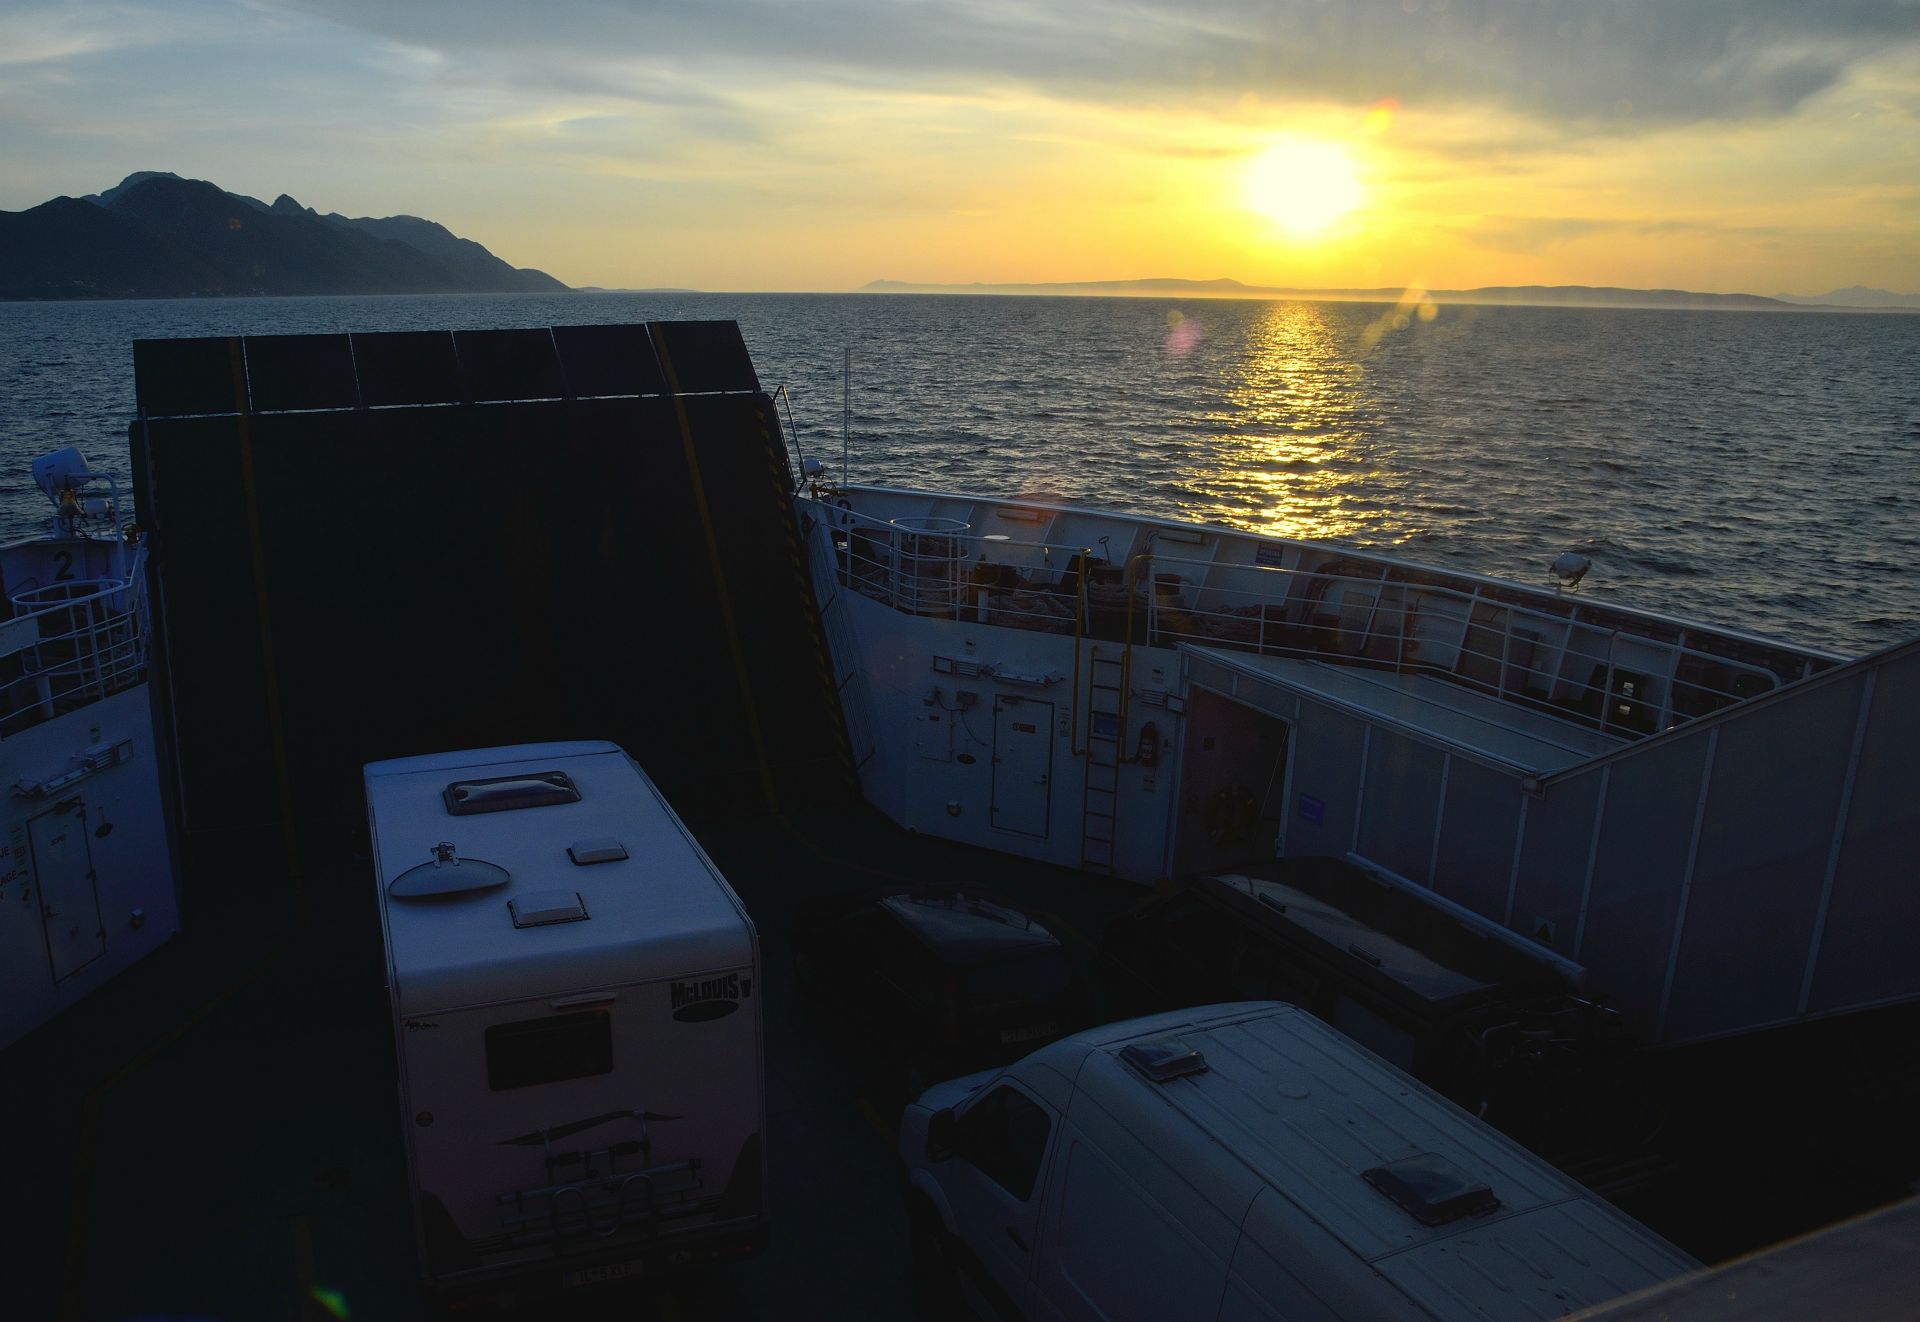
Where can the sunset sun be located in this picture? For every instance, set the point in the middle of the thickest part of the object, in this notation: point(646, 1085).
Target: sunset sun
point(1304, 187)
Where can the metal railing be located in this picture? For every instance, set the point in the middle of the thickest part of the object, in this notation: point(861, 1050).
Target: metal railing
point(1589, 671)
point(68, 644)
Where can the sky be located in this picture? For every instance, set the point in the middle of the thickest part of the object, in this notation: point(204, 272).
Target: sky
point(1757, 146)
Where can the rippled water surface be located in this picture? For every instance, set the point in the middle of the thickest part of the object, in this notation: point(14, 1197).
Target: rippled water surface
point(1760, 471)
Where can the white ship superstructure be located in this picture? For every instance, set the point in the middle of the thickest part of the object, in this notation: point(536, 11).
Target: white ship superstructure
point(86, 881)
point(1709, 822)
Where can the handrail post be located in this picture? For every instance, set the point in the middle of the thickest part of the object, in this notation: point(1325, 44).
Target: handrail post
point(1079, 629)
point(1373, 613)
point(893, 568)
point(1259, 626)
point(1127, 582)
point(1506, 653)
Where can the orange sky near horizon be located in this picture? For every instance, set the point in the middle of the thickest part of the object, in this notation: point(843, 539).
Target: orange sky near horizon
point(1426, 143)
point(962, 191)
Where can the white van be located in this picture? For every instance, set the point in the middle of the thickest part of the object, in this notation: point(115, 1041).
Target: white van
point(1246, 1161)
point(576, 1007)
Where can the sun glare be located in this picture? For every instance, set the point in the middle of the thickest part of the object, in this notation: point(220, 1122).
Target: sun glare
point(1305, 187)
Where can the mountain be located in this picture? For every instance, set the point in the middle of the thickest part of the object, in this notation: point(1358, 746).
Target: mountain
point(1537, 295)
point(67, 248)
point(1854, 296)
point(156, 235)
point(437, 241)
point(141, 176)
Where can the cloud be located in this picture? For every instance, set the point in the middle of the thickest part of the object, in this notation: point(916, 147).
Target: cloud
point(1571, 61)
point(1532, 235)
point(55, 33)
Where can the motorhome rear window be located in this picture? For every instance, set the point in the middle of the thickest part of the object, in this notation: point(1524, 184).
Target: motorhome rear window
point(561, 1046)
point(504, 793)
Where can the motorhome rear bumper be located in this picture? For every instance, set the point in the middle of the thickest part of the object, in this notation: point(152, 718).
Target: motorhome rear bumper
point(515, 1285)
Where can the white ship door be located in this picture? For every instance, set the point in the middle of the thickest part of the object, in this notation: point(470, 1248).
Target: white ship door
point(1022, 764)
point(69, 904)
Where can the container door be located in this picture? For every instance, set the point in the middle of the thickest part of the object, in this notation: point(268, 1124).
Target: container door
point(1022, 764)
point(69, 904)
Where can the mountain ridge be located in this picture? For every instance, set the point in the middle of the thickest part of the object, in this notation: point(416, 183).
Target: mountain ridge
point(1855, 296)
point(158, 235)
point(1529, 295)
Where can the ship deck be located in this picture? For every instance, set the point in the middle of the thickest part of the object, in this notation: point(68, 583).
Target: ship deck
point(214, 1134)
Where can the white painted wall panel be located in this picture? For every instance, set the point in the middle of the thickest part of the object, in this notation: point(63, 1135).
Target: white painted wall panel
point(1639, 869)
point(1475, 858)
point(1871, 942)
point(1402, 801)
point(1553, 861)
point(1762, 862)
point(1326, 781)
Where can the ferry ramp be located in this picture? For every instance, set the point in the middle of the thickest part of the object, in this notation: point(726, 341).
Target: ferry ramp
point(374, 545)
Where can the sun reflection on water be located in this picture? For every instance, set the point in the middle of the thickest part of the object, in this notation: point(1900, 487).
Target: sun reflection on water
point(1296, 448)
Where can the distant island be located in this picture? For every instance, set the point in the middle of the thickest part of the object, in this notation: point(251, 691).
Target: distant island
point(1599, 296)
point(156, 235)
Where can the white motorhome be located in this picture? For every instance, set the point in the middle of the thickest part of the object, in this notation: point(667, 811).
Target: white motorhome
point(1246, 1161)
point(576, 995)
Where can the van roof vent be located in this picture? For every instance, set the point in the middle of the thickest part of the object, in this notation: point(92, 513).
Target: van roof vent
point(1432, 1188)
point(534, 789)
point(1161, 1061)
point(544, 908)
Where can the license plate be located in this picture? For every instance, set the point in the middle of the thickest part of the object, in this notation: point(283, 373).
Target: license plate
point(609, 1271)
point(1011, 1035)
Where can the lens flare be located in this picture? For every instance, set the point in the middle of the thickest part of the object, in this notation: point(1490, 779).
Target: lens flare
point(1183, 332)
point(1414, 303)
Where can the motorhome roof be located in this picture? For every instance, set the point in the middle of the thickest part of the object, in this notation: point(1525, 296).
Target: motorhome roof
point(660, 911)
point(1310, 1114)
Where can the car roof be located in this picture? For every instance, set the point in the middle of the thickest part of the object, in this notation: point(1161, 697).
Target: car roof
point(1323, 1127)
point(967, 929)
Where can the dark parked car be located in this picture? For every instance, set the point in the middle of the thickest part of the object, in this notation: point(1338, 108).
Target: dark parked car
point(939, 984)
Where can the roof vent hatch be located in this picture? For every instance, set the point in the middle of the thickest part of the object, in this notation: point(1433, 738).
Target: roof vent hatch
point(1165, 1060)
point(537, 789)
point(545, 908)
point(603, 850)
point(1432, 1189)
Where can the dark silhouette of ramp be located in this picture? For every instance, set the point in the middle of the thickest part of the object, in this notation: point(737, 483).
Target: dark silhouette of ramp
point(370, 546)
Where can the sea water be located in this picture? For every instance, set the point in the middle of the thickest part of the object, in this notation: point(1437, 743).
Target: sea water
point(1760, 471)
